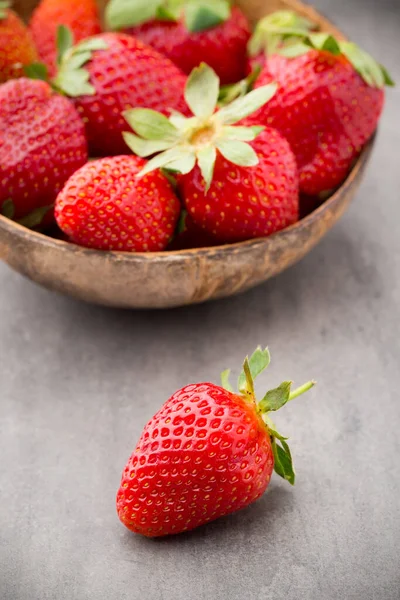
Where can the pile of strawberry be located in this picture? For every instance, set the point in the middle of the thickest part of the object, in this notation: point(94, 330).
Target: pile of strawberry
point(199, 132)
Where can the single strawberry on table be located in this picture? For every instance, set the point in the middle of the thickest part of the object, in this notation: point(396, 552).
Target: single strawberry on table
point(188, 32)
point(207, 453)
point(105, 206)
point(16, 45)
point(42, 142)
point(329, 99)
point(108, 74)
point(236, 182)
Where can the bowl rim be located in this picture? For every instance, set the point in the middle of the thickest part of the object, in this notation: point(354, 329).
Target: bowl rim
point(42, 239)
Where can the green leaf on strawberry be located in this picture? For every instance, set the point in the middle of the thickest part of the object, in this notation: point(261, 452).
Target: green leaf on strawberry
point(35, 218)
point(129, 13)
point(275, 28)
point(206, 158)
point(229, 93)
point(37, 70)
point(225, 380)
point(386, 77)
point(8, 209)
point(198, 14)
point(4, 6)
point(283, 461)
point(32, 220)
point(205, 14)
point(201, 93)
point(373, 73)
point(187, 141)
point(243, 107)
point(65, 41)
point(238, 153)
point(169, 11)
point(72, 79)
point(275, 399)
point(151, 125)
point(145, 147)
point(272, 401)
point(324, 41)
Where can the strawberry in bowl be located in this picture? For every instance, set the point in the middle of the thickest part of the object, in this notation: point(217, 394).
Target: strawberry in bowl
point(42, 143)
point(328, 103)
point(188, 32)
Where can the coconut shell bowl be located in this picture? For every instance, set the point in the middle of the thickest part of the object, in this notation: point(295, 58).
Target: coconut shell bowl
point(175, 278)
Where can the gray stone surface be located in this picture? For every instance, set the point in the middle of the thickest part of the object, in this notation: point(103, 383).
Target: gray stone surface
point(78, 383)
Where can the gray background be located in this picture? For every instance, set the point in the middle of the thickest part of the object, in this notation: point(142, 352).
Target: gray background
point(78, 383)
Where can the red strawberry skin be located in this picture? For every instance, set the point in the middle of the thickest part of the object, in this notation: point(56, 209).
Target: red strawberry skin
point(325, 110)
point(16, 47)
point(222, 47)
point(206, 454)
point(80, 16)
point(106, 207)
point(246, 202)
point(42, 142)
point(127, 75)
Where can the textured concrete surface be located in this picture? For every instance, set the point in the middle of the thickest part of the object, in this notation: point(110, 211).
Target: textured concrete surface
point(78, 383)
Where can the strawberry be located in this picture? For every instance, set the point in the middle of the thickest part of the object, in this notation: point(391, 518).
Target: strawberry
point(42, 142)
point(16, 45)
point(108, 74)
point(207, 453)
point(232, 189)
point(329, 100)
point(188, 32)
point(104, 206)
point(81, 16)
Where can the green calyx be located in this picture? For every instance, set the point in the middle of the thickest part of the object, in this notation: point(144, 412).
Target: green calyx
point(120, 14)
point(72, 79)
point(37, 70)
point(198, 15)
point(290, 35)
point(4, 6)
point(272, 401)
point(374, 74)
point(276, 29)
point(182, 142)
point(229, 93)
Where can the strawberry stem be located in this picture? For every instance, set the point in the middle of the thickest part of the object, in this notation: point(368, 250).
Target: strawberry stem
point(249, 377)
point(273, 400)
point(301, 390)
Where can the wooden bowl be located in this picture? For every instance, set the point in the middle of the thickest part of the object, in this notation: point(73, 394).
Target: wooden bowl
point(170, 279)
